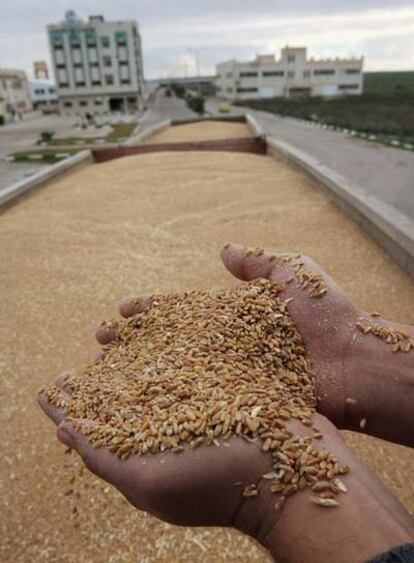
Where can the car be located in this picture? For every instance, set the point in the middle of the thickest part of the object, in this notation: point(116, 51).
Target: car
point(224, 108)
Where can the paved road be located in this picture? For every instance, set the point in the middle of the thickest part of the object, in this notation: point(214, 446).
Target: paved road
point(23, 135)
point(164, 107)
point(382, 171)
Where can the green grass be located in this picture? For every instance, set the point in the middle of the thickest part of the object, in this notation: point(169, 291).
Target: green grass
point(389, 83)
point(49, 156)
point(120, 130)
point(391, 116)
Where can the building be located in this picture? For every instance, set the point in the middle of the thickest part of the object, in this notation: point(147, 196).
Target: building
point(97, 65)
point(41, 70)
point(14, 94)
point(290, 76)
point(43, 95)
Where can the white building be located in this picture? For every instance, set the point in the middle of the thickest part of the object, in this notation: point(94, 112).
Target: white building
point(290, 76)
point(97, 65)
point(14, 94)
point(43, 95)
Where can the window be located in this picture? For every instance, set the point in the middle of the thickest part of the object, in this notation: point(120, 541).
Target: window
point(90, 37)
point(67, 104)
point(291, 58)
point(125, 81)
point(74, 38)
point(96, 83)
point(352, 71)
point(109, 79)
point(51, 90)
point(246, 90)
point(248, 74)
point(273, 73)
point(107, 61)
point(121, 38)
point(80, 84)
point(291, 74)
point(98, 102)
point(57, 39)
point(306, 74)
point(94, 64)
point(105, 41)
point(63, 85)
point(323, 71)
point(40, 91)
point(77, 65)
point(348, 87)
point(83, 103)
point(123, 63)
point(17, 84)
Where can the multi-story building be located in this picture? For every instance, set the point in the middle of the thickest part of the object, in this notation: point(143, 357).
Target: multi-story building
point(291, 75)
point(97, 65)
point(14, 94)
point(43, 94)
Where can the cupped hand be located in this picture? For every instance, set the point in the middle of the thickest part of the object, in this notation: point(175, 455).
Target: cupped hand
point(328, 323)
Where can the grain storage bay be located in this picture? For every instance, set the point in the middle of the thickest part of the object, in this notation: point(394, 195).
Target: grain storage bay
point(151, 223)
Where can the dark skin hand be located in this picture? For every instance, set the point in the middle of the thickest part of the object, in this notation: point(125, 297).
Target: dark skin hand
point(357, 375)
point(204, 486)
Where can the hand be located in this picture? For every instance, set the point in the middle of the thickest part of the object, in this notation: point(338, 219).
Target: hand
point(361, 384)
point(203, 487)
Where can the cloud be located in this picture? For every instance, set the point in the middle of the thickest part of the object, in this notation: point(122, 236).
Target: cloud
point(181, 35)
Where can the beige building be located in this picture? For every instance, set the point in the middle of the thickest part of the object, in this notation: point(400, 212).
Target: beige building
point(290, 76)
point(97, 65)
point(14, 94)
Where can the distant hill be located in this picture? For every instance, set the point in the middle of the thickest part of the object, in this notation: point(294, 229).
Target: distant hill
point(389, 83)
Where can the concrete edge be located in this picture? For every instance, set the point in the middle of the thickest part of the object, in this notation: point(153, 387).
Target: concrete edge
point(254, 126)
point(146, 133)
point(393, 230)
point(43, 176)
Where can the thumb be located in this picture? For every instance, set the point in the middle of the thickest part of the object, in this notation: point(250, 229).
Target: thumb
point(248, 263)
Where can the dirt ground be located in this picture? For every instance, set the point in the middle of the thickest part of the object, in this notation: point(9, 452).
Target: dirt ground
point(207, 131)
point(147, 223)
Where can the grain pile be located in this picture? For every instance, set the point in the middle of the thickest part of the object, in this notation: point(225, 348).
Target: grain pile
point(203, 131)
point(146, 224)
point(202, 366)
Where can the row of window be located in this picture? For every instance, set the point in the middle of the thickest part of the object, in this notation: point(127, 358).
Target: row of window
point(291, 73)
point(109, 80)
point(107, 61)
point(43, 91)
point(252, 90)
point(16, 84)
point(121, 39)
point(83, 103)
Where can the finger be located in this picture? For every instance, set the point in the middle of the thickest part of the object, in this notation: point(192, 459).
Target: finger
point(98, 460)
point(249, 264)
point(107, 332)
point(134, 305)
point(56, 414)
point(60, 381)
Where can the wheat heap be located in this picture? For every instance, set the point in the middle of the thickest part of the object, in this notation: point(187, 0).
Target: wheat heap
point(200, 367)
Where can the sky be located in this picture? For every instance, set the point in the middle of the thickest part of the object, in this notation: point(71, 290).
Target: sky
point(187, 37)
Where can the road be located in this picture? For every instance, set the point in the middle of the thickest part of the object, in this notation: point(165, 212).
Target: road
point(23, 135)
point(163, 107)
point(382, 171)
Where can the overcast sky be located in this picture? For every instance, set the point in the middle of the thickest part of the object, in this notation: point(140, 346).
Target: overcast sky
point(177, 33)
